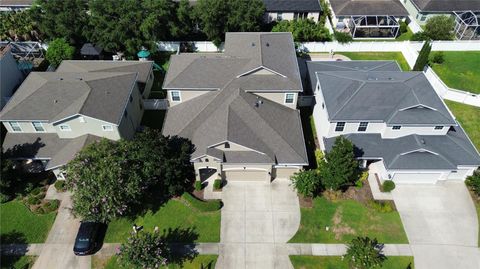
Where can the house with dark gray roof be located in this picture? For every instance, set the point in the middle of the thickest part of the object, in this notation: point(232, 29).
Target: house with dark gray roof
point(278, 10)
point(368, 18)
point(15, 5)
point(422, 10)
point(239, 108)
point(400, 127)
point(53, 115)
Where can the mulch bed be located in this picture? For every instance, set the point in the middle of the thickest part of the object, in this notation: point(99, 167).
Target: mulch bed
point(363, 194)
point(305, 201)
point(198, 194)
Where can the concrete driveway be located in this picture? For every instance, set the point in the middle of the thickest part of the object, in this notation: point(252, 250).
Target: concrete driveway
point(441, 224)
point(255, 218)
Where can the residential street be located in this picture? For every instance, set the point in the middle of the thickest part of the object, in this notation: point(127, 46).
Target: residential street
point(255, 218)
point(58, 248)
point(441, 225)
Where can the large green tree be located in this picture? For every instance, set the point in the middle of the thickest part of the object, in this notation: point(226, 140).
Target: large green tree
point(339, 168)
point(144, 250)
point(59, 50)
point(440, 28)
point(365, 253)
point(63, 19)
point(184, 24)
point(423, 57)
point(216, 17)
point(109, 178)
point(304, 30)
point(19, 26)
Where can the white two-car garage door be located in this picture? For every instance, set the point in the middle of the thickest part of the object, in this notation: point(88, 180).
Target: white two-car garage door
point(427, 178)
point(246, 175)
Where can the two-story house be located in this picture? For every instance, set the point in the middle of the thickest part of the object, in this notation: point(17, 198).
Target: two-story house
point(239, 107)
point(53, 115)
point(400, 126)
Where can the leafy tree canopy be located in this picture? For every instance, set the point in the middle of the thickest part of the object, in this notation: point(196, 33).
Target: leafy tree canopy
point(340, 168)
point(59, 50)
point(216, 17)
point(19, 26)
point(303, 30)
point(144, 250)
point(365, 253)
point(440, 28)
point(62, 19)
point(109, 178)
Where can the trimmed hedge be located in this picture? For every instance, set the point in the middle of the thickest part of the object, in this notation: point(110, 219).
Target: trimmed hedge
point(217, 184)
point(60, 185)
point(204, 206)
point(198, 185)
point(388, 186)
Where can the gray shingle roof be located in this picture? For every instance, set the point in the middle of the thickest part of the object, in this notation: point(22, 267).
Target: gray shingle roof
point(447, 5)
point(90, 49)
point(417, 151)
point(143, 68)
point(244, 52)
point(52, 96)
point(8, 3)
point(292, 5)
point(59, 151)
point(368, 7)
point(385, 96)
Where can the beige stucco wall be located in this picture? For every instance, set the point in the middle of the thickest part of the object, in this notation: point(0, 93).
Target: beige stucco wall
point(202, 163)
point(284, 172)
point(185, 95)
point(148, 85)
point(27, 127)
point(279, 97)
point(130, 122)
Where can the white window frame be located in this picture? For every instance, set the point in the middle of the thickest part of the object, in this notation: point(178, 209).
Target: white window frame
point(68, 129)
point(286, 98)
point(338, 126)
point(41, 126)
point(360, 125)
point(179, 96)
point(107, 128)
point(279, 16)
point(396, 129)
point(11, 123)
point(438, 128)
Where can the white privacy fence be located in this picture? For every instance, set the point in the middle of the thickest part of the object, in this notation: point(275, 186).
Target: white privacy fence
point(199, 46)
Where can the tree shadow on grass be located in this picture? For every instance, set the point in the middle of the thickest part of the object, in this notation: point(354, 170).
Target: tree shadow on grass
point(181, 244)
point(11, 255)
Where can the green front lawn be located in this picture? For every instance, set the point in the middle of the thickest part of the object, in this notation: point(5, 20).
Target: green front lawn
point(336, 262)
point(405, 36)
point(397, 56)
point(19, 225)
point(346, 220)
point(17, 262)
point(469, 118)
point(461, 70)
point(201, 261)
point(174, 214)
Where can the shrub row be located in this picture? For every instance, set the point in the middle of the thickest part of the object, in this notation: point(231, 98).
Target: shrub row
point(204, 206)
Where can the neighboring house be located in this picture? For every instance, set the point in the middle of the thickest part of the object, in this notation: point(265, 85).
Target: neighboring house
point(239, 107)
point(10, 75)
point(421, 10)
point(401, 128)
point(143, 68)
point(277, 10)
point(368, 18)
point(54, 114)
point(15, 5)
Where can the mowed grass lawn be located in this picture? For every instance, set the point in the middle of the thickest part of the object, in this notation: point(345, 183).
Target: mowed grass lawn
point(396, 56)
point(461, 70)
point(346, 220)
point(469, 118)
point(335, 262)
point(201, 261)
point(19, 225)
point(173, 214)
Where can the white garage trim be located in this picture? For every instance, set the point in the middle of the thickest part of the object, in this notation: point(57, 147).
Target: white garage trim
point(254, 174)
point(417, 178)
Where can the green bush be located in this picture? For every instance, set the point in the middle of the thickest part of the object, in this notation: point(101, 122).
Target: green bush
point(388, 186)
point(342, 37)
point(204, 206)
point(303, 30)
point(60, 185)
point(362, 179)
point(403, 27)
point(41, 195)
point(32, 200)
point(307, 182)
point(438, 57)
point(473, 182)
point(198, 185)
point(217, 184)
point(40, 210)
point(36, 191)
point(420, 36)
point(52, 205)
point(382, 207)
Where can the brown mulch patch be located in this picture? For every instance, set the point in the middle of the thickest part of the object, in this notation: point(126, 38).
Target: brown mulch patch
point(305, 201)
point(363, 194)
point(198, 194)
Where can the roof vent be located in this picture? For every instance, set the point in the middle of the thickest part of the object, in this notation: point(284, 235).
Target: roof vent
point(422, 141)
point(55, 101)
point(60, 78)
point(79, 78)
point(268, 44)
point(253, 44)
point(258, 102)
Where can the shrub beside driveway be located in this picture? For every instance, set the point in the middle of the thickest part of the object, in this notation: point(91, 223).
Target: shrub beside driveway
point(347, 219)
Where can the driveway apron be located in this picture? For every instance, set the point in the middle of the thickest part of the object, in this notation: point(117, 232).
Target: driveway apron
point(256, 219)
point(441, 224)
